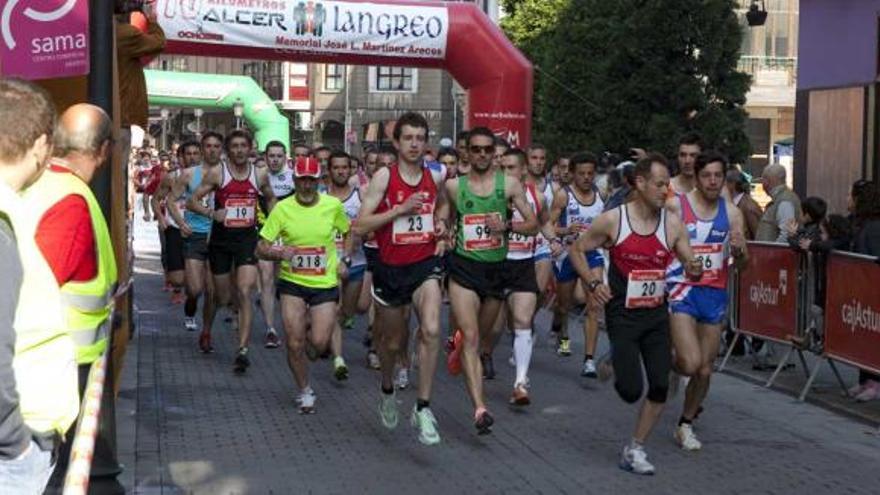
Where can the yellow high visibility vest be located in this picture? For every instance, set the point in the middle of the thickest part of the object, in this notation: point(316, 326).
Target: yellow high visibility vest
point(44, 363)
point(87, 305)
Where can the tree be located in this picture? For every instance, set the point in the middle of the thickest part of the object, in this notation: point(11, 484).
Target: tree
point(624, 73)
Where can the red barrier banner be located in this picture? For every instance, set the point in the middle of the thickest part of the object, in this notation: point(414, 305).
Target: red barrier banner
point(768, 292)
point(852, 310)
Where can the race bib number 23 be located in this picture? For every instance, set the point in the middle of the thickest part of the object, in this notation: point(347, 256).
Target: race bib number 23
point(414, 229)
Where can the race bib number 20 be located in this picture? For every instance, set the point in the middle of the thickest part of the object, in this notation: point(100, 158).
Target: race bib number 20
point(645, 289)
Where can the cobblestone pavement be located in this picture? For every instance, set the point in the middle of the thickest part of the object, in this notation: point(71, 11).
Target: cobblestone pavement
point(198, 428)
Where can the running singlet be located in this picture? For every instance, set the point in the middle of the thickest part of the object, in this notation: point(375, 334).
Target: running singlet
point(577, 213)
point(474, 239)
point(199, 224)
point(181, 202)
point(637, 272)
point(409, 238)
point(239, 198)
point(351, 205)
point(519, 246)
point(709, 240)
point(309, 233)
point(281, 183)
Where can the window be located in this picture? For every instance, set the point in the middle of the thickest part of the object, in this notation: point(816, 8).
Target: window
point(399, 79)
point(334, 77)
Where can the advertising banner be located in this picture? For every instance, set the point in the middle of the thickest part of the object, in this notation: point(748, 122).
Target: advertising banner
point(852, 310)
point(44, 39)
point(768, 292)
point(358, 28)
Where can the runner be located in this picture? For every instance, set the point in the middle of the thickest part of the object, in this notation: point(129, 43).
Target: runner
point(301, 150)
point(536, 167)
point(305, 225)
point(195, 229)
point(173, 247)
point(574, 209)
point(399, 206)
point(689, 148)
point(350, 196)
point(699, 308)
point(641, 238)
point(477, 266)
point(281, 180)
point(236, 187)
point(449, 158)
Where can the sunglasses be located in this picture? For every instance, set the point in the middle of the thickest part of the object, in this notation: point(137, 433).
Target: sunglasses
point(489, 149)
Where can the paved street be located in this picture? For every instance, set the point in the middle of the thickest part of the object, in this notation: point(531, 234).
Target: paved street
point(200, 429)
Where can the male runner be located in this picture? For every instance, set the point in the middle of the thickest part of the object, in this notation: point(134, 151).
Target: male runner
point(400, 206)
point(574, 209)
point(689, 148)
point(536, 167)
point(195, 229)
point(477, 266)
point(641, 238)
point(305, 225)
point(301, 150)
point(168, 227)
point(281, 180)
point(236, 187)
point(699, 308)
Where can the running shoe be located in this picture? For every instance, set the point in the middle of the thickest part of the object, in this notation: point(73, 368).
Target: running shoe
point(488, 366)
point(190, 324)
point(564, 348)
point(635, 460)
point(686, 438)
point(242, 361)
point(388, 410)
point(520, 395)
point(205, 342)
point(272, 340)
point(402, 379)
point(340, 370)
point(453, 360)
point(870, 391)
point(589, 369)
point(483, 421)
point(348, 323)
point(373, 361)
point(425, 422)
point(306, 401)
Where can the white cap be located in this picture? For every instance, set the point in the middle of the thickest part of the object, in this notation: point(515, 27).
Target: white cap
point(446, 142)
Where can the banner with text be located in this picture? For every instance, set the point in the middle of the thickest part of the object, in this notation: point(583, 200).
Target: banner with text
point(768, 292)
point(310, 26)
point(44, 39)
point(852, 310)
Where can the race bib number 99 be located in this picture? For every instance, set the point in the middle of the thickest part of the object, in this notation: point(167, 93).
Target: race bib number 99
point(240, 213)
point(309, 261)
point(414, 229)
point(477, 236)
point(711, 256)
point(645, 289)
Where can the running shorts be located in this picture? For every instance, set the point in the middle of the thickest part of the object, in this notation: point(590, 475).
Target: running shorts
point(486, 279)
point(371, 254)
point(519, 276)
point(195, 247)
point(394, 285)
point(707, 305)
point(224, 255)
point(565, 272)
point(311, 296)
point(173, 249)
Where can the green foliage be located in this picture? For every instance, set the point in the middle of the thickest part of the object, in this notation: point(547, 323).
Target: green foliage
point(611, 75)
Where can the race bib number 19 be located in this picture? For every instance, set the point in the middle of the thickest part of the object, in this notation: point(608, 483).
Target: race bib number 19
point(240, 213)
point(645, 289)
point(309, 261)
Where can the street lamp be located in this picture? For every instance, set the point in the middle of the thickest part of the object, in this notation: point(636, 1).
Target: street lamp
point(165, 113)
point(198, 112)
point(238, 111)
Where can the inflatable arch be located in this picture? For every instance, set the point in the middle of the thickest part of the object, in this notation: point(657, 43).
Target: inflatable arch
point(454, 36)
point(186, 89)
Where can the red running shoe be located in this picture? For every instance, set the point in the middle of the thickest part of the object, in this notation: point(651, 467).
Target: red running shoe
point(453, 360)
point(205, 342)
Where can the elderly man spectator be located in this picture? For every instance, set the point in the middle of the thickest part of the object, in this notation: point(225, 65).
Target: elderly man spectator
point(784, 206)
point(38, 394)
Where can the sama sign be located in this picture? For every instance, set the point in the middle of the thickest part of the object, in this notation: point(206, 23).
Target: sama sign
point(310, 26)
point(42, 39)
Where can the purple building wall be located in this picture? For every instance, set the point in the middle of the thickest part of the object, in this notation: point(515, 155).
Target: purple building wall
point(838, 42)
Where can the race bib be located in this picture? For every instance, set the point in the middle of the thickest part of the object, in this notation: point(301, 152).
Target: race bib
point(309, 261)
point(477, 235)
point(711, 256)
point(519, 243)
point(240, 213)
point(645, 288)
point(414, 229)
point(339, 239)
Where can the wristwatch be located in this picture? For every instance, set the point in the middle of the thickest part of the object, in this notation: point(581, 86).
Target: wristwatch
point(347, 261)
point(592, 284)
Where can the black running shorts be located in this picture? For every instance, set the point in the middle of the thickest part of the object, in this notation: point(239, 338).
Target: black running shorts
point(395, 285)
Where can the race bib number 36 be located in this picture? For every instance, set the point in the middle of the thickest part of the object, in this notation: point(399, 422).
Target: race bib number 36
point(309, 261)
point(477, 236)
point(240, 213)
point(645, 288)
point(414, 229)
point(711, 256)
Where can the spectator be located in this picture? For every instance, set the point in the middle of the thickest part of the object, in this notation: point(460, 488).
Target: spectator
point(622, 181)
point(38, 394)
point(812, 214)
point(783, 207)
point(866, 240)
point(834, 234)
point(740, 189)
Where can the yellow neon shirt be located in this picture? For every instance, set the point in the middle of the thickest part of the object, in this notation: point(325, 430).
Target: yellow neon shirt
point(309, 230)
